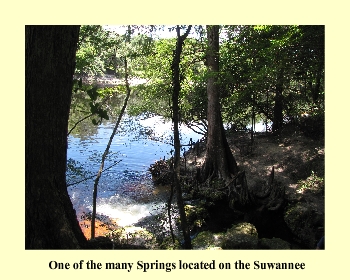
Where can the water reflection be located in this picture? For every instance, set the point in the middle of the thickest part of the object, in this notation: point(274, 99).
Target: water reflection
point(126, 192)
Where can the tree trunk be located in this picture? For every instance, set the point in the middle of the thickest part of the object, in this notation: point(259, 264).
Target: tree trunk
point(219, 160)
point(176, 120)
point(50, 220)
point(316, 90)
point(278, 108)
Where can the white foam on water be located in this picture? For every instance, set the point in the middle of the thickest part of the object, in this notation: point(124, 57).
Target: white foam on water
point(125, 215)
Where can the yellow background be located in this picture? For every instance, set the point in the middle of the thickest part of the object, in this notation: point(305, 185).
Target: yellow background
point(17, 262)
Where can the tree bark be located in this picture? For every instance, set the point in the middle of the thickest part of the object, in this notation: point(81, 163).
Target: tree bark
point(176, 120)
point(50, 220)
point(278, 107)
point(219, 161)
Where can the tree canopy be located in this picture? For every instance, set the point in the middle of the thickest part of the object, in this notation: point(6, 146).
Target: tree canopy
point(275, 73)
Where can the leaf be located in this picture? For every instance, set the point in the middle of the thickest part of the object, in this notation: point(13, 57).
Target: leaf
point(94, 94)
point(93, 108)
point(94, 122)
point(103, 114)
point(89, 93)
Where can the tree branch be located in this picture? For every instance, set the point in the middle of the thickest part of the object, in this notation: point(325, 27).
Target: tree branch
point(75, 125)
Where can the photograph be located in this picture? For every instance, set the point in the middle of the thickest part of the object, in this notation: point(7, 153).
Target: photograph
point(175, 137)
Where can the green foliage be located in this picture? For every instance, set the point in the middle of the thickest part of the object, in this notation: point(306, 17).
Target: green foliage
point(196, 215)
point(313, 184)
point(94, 94)
point(167, 244)
point(206, 240)
point(99, 49)
point(157, 71)
point(253, 57)
point(95, 49)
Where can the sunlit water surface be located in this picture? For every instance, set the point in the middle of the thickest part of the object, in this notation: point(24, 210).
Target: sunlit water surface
point(125, 191)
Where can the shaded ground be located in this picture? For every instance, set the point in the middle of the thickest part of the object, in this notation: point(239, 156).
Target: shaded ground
point(292, 154)
point(299, 167)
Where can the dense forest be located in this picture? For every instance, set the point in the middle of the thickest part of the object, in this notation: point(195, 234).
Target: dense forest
point(234, 188)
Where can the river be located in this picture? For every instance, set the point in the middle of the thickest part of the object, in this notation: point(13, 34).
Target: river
point(125, 191)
